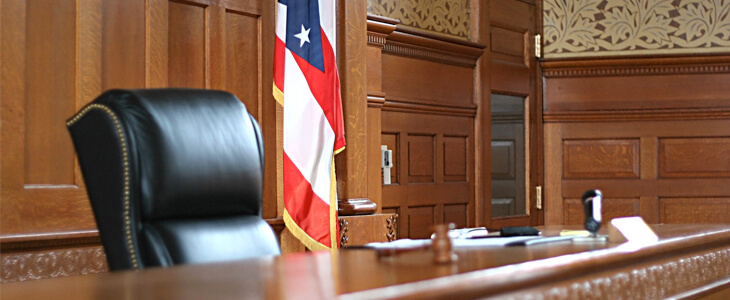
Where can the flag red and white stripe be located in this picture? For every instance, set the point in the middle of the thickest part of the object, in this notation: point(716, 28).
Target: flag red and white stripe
point(307, 85)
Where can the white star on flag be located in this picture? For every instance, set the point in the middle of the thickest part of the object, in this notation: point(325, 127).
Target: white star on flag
point(303, 36)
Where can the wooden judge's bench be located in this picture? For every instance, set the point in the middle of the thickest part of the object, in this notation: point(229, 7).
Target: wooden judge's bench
point(688, 261)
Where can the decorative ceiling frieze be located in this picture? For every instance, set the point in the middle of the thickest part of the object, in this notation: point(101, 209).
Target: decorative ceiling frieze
point(583, 28)
point(450, 17)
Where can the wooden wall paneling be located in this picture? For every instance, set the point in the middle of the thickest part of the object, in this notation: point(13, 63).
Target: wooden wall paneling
point(243, 57)
point(428, 119)
point(421, 154)
point(39, 185)
point(573, 213)
point(680, 159)
point(157, 35)
point(187, 43)
point(694, 210)
point(271, 111)
point(695, 157)
point(612, 84)
point(420, 222)
point(552, 193)
point(409, 86)
point(59, 55)
point(123, 44)
point(483, 132)
point(455, 154)
point(601, 158)
point(456, 214)
point(423, 185)
point(378, 29)
point(352, 55)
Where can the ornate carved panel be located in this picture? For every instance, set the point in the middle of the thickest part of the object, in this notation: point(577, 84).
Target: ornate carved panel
point(651, 280)
point(20, 266)
point(444, 16)
point(601, 158)
point(694, 157)
point(573, 213)
point(694, 210)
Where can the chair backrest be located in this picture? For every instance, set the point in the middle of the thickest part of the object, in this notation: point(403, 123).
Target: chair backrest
point(174, 176)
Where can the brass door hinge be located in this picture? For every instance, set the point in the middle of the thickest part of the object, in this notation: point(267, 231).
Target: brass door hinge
point(538, 46)
point(538, 196)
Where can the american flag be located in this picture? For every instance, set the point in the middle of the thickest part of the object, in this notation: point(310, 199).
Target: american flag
point(307, 85)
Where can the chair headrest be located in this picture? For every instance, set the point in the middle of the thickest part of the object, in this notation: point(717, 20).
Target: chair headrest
point(194, 153)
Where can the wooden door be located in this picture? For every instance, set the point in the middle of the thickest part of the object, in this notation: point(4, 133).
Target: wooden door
point(514, 113)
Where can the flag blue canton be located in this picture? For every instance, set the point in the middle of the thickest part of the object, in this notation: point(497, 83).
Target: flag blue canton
point(302, 23)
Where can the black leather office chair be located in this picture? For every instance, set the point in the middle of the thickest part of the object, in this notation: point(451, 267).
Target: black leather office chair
point(174, 177)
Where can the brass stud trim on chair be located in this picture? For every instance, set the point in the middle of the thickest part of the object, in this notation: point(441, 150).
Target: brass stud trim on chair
point(125, 160)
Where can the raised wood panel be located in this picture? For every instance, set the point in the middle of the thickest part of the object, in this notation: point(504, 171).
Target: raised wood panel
point(694, 210)
point(503, 157)
point(242, 38)
point(187, 43)
point(420, 222)
point(39, 187)
point(421, 158)
point(694, 157)
point(511, 27)
point(122, 44)
point(573, 213)
point(418, 80)
point(456, 214)
point(618, 158)
point(455, 158)
point(51, 87)
point(510, 42)
point(511, 13)
point(628, 92)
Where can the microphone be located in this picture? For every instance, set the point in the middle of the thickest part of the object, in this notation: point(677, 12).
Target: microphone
point(592, 206)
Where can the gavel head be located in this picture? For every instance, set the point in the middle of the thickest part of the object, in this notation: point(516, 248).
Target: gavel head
point(592, 207)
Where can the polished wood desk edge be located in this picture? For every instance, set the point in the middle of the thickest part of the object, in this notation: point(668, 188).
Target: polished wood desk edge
point(510, 278)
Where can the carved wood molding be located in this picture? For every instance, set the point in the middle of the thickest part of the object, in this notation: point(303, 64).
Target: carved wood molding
point(637, 115)
point(379, 28)
point(391, 224)
point(423, 45)
point(658, 280)
point(343, 232)
point(624, 71)
point(636, 66)
point(21, 266)
point(416, 106)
